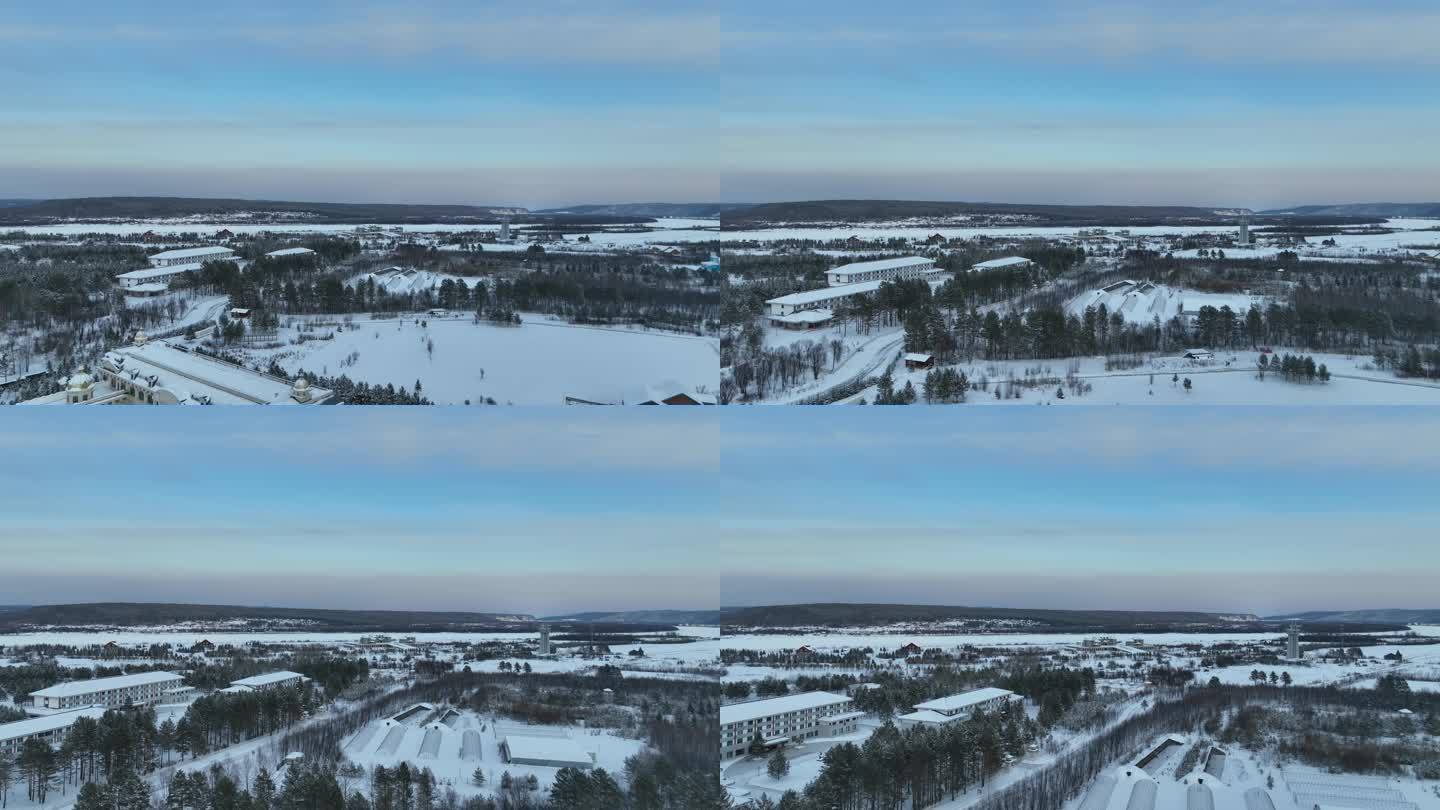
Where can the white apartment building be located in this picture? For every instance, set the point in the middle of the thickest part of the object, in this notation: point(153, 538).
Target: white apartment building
point(778, 720)
point(881, 270)
point(50, 729)
point(953, 708)
point(195, 256)
point(141, 688)
point(269, 680)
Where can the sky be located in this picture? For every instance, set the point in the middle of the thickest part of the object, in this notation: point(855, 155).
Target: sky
point(563, 102)
point(1246, 510)
point(540, 511)
point(1166, 102)
point(441, 101)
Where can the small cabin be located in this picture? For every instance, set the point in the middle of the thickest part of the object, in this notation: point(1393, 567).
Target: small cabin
point(918, 360)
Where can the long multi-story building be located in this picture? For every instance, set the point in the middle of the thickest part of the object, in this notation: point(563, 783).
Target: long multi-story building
point(954, 708)
point(49, 729)
point(779, 720)
point(138, 689)
point(848, 281)
point(881, 270)
point(191, 256)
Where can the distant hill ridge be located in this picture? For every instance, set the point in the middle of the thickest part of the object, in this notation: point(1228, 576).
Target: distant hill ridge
point(148, 614)
point(836, 614)
point(1397, 615)
point(38, 212)
point(1383, 209)
point(643, 616)
point(860, 211)
point(682, 210)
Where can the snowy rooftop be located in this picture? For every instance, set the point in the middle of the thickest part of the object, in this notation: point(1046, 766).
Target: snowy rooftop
point(554, 749)
point(297, 251)
point(159, 272)
point(928, 716)
point(73, 688)
point(881, 264)
point(50, 722)
point(187, 253)
point(267, 678)
point(1008, 261)
point(756, 709)
point(916, 357)
point(964, 700)
point(192, 377)
point(828, 293)
point(805, 316)
point(146, 288)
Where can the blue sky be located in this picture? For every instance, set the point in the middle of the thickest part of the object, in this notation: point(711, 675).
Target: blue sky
point(552, 103)
point(1253, 510)
point(443, 101)
point(1235, 103)
point(540, 511)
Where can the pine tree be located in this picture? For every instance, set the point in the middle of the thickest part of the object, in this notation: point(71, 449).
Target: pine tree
point(778, 766)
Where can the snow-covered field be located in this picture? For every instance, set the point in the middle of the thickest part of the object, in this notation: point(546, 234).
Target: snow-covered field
point(1407, 231)
point(843, 639)
point(1229, 379)
point(667, 230)
point(538, 363)
point(190, 637)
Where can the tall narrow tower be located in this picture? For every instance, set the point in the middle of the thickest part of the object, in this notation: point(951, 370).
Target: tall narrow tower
point(1245, 231)
point(1292, 643)
point(544, 639)
point(505, 229)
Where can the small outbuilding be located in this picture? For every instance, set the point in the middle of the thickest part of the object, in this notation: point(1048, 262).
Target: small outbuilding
point(918, 360)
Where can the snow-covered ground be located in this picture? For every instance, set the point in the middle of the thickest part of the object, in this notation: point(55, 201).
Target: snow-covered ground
point(1407, 231)
point(663, 230)
point(190, 637)
point(1229, 379)
point(538, 363)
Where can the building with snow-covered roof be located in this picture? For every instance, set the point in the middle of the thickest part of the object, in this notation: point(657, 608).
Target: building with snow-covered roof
point(136, 281)
point(547, 751)
point(271, 680)
point(198, 255)
point(953, 708)
point(1003, 263)
point(665, 393)
point(881, 270)
point(290, 253)
point(823, 298)
point(49, 729)
point(138, 689)
point(776, 721)
point(161, 373)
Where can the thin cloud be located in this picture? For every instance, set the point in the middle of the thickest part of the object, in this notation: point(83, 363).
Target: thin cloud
point(618, 39)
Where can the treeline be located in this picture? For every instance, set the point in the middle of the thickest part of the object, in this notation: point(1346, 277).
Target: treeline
point(334, 673)
point(220, 719)
point(918, 767)
point(580, 291)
